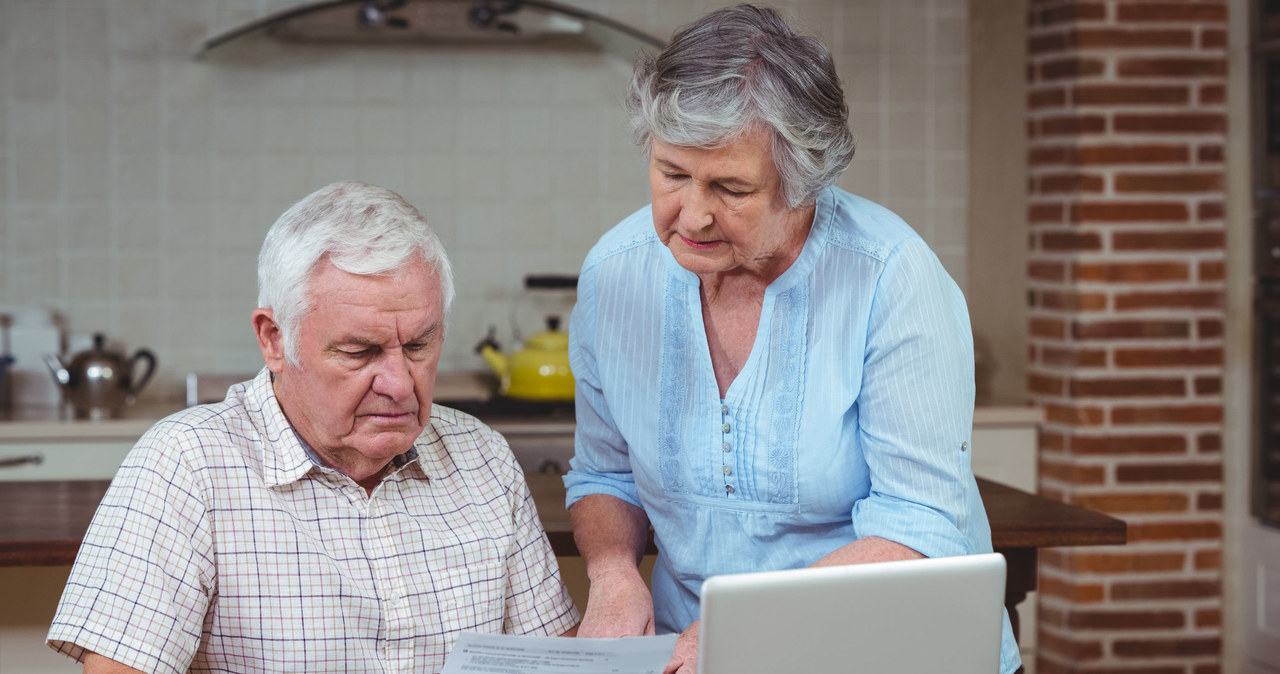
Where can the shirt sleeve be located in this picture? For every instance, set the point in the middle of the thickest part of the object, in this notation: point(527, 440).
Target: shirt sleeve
point(916, 408)
point(601, 461)
point(537, 601)
point(144, 575)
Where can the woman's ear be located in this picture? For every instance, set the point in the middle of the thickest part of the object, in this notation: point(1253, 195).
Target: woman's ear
point(270, 340)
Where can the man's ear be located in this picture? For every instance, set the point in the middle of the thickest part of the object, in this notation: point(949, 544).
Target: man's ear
point(270, 340)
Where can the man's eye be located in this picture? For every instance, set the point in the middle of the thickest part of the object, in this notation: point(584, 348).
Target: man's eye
point(359, 353)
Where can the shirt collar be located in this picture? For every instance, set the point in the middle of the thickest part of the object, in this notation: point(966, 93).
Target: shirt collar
point(430, 450)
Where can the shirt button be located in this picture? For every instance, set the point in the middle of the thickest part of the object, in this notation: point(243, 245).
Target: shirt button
point(964, 446)
point(724, 409)
point(728, 470)
point(725, 446)
point(728, 489)
point(725, 428)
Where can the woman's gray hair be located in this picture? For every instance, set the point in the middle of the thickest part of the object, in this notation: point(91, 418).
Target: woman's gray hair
point(361, 229)
point(743, 66)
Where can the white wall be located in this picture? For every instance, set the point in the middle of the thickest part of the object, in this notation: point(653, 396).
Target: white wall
point(136, 182)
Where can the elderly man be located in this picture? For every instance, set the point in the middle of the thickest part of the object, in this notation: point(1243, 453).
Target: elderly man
point(325, 516)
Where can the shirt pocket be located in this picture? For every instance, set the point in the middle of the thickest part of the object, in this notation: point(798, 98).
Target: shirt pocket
point(470, 591)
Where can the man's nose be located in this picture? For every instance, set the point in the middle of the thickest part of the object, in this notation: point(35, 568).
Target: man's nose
point(393, 378)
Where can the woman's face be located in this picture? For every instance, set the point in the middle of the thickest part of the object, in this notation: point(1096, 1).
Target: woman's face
point(722, 210)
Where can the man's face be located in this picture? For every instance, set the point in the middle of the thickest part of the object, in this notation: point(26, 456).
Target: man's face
point(367, 357)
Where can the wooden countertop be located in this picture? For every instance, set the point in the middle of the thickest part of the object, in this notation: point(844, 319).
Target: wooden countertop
point(1018, 519)
point(42, 523)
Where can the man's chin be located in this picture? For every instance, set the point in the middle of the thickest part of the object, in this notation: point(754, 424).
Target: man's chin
point(388, 442)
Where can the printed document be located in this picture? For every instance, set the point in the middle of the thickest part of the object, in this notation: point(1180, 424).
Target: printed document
point(477, 653)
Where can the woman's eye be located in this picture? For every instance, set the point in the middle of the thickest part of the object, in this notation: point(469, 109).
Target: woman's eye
point(732, 193)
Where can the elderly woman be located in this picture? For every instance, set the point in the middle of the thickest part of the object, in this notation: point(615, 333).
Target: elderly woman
point(771, 372)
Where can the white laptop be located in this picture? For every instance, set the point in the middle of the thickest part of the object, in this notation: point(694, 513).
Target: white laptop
point(930, 615)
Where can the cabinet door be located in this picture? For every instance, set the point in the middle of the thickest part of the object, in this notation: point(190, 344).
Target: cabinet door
point(61, 460)
point(1006, 455)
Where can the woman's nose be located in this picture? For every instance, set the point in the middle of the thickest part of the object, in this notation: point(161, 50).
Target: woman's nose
point(696, 209)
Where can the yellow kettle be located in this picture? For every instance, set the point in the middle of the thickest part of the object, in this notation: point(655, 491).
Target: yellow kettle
point(539, 371)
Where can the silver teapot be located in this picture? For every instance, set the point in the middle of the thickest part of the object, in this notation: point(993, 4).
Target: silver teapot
point(101, 383)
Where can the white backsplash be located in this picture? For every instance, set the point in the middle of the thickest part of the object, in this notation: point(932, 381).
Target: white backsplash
point(136, 182)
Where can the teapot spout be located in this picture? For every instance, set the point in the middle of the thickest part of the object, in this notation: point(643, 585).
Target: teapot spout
point(489, 349)
point(59, 370)
point(495, 359)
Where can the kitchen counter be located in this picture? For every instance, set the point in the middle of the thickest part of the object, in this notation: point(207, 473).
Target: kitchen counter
point(46, 423)
point(43, 522)
point(43, 422)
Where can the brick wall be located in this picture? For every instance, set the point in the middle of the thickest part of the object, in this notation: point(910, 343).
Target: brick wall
point(1126, 280)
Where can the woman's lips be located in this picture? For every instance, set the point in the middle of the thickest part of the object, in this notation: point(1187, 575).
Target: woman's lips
point(700, 245)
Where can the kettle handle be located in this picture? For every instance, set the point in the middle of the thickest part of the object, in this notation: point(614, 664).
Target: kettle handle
point(146, 355)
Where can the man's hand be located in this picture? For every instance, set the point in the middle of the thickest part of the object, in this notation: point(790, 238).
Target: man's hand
point(685, 658)
point(618, 605)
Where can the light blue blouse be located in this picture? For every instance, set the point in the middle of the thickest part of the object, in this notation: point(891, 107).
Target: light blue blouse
point(850, 418)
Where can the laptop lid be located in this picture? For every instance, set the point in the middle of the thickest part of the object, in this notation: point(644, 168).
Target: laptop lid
point(940, 614)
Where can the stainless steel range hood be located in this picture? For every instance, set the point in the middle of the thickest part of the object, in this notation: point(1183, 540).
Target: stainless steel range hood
point(430, 21)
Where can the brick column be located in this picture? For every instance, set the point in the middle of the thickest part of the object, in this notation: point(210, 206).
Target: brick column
point(1127, 124)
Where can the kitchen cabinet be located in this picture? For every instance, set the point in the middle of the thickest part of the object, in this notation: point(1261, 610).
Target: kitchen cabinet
point(60, 460)
point(41, 445)
point(1005, 441)
point(1004, 444)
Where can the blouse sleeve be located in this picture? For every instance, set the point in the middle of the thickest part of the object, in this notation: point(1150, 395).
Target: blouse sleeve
point(601, 462)
point(916, 407)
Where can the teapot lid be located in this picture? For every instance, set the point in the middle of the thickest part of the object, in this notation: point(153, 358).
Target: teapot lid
point(551, 339)
point(97, 352)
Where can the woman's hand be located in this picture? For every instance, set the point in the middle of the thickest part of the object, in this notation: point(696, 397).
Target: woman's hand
point(618, 605)
point(685, 658)
point(611, 535)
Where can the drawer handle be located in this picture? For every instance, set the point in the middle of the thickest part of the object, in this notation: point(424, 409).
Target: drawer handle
point(550, 467)
point(30, 459)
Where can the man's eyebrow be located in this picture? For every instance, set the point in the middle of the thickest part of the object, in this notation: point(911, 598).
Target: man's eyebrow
point(426, 335)
point(352, 340)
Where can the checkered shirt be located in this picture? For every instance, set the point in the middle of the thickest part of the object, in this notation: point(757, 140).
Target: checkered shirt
point(220, 546)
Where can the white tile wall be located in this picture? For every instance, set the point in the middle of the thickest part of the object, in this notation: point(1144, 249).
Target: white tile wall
point(136, 182)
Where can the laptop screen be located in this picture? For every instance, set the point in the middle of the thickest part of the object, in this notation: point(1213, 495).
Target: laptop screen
point(930, 615)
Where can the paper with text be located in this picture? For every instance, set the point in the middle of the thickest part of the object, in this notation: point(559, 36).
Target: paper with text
point(477, 653)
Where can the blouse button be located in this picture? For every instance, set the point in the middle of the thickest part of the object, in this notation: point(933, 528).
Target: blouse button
point(725, 428)
point(728, 470)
